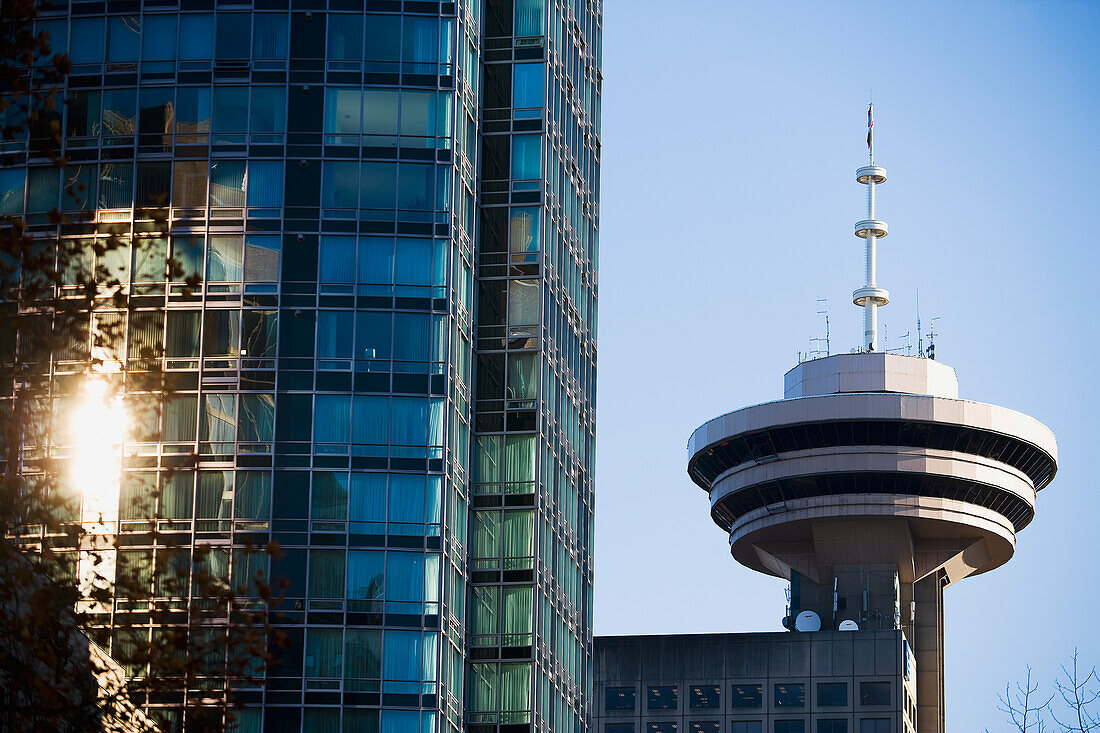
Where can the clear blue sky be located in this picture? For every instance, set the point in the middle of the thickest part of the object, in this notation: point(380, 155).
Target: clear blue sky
point(731, 132)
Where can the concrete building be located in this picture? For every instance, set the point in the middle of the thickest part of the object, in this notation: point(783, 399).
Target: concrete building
point(829, 681)
point(871, 487)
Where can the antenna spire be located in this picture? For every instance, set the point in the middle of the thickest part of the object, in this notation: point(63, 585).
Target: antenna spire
point(870, 131)
point(870, 297)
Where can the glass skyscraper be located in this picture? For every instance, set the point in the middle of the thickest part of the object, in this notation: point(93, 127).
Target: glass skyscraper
point(389, 365)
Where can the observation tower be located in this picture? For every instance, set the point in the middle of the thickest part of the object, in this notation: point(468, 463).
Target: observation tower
point(871, 486)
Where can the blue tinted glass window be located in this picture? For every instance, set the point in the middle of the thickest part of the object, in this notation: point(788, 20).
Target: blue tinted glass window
point(265, 183)
point(333, 328)
point(268, 111)
point(528, 18)
point(411, 337)
point(227, 183)
point(416, 186)
point(338, 184)
point(376, 260)
point(526, 157)
point(407, 499)
point(58, 30)
point(527, 87)
point(408, 421)
point(413, 262)
point(196, 36)
point(123, 38)
point(192, 110)
point(119, 111)
point(234, 30)
point(269, 36)
point(370, 420)
point(87, 41)
point(405, 576)
point(378, 182)
point(380, 113)
point(401, 659)
point(421, 43)
point(337, 262)
point(12, 182)
point(158, 37)
point(402, 721)
point(365, 567)
point(342, 111)
point(418, 114)
point(345, 37)
point(383, 37)
point(230, 109)
point(373, 332)
point(367, 498)
point(332, 419)
point(156, 110)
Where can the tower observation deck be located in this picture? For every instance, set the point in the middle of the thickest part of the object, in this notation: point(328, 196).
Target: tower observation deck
point(871, 486)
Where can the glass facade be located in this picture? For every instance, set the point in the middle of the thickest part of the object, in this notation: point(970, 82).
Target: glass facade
point(389, 364)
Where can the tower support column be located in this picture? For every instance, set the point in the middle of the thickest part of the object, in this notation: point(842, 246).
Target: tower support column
point(928, 649)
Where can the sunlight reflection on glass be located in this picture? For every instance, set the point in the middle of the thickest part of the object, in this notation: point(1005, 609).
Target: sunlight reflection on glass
point(98, 428)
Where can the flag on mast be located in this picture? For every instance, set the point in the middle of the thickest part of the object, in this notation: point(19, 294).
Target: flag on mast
point(870, 123)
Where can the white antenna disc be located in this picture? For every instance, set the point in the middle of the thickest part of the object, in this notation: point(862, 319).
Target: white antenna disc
point(807, 621)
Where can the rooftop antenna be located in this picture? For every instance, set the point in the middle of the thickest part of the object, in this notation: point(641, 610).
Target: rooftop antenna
point(920, 335)
point(815, 350)
point(932, 338)
point(870, 297)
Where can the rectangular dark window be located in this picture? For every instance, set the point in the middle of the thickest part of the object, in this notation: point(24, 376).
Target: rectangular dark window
point(746, 726)
point(790, 726)
point(790, 695)
point(619, 698)
point(661, 698)
point(874, 725)
point(832, 694)
point(704, 726)
point(747, 696)
point(704, 697)
point(832, 726)
point(874, 693)
point(619, 728)
point(663, 726)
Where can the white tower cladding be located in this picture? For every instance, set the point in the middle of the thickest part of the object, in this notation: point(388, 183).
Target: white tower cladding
point(871, 486)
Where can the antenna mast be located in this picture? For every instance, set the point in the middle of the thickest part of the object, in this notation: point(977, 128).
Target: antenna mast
point(870, 297)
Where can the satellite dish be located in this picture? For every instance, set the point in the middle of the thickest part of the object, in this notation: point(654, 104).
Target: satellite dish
point(807, 621)
point(848, 625)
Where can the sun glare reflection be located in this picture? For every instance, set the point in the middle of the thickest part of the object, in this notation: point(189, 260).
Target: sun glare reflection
point(98, 428)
